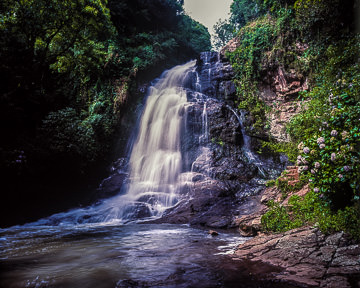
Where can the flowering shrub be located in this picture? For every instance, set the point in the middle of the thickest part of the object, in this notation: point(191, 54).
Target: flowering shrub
point(331, 157)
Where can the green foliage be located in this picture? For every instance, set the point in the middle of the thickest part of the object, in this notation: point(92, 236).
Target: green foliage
point(274, 6)
point(84, 135)
point(255, 39)
point(311, 210)
point(330, 128)
point(243, 11)
point(50, 53)
point(67, 36)
point(314, 15)
point(155, 32)
point(193, 34)
point(270, 183)
point(287, 148)
point(224, 32)
point(68, 134)
point(277, 219)
point(284, 186)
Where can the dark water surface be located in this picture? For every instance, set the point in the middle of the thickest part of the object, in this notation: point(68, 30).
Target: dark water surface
point(135, 255)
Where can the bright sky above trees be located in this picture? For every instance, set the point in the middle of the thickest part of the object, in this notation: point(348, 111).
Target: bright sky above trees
point(208, 12)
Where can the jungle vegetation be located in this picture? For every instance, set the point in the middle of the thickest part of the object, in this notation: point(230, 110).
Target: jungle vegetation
point(68, 71)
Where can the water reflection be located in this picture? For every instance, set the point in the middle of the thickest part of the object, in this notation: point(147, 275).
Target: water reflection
point(109, 256)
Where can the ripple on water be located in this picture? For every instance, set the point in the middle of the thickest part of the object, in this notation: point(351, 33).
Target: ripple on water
point(136, 255)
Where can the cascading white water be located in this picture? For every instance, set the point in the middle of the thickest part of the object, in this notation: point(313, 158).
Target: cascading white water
point(204, 138)
point(156, 157)
point(156, 160)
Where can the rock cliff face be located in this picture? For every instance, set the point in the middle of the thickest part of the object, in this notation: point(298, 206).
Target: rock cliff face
point(215, 76)
point(279, 89)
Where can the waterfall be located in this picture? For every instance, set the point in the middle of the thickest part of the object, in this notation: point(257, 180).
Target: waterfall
point(156, 167)
point(204, 138)
point(155, 162)
point(249, 154)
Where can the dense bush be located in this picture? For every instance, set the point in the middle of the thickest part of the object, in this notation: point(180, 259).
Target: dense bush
point(66, 134)
point(329, 127)
point(311, 210)
point(321, 19)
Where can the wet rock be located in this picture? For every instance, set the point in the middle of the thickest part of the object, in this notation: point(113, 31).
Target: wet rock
point(219, 223)
point(129, 283)
point(202, 205)
point(213, 233)
point(306, 257)
point(248, 230)
point(137, 211)
point(112, 185)
point(197, 177)
point(215, 74)
point(250, 224)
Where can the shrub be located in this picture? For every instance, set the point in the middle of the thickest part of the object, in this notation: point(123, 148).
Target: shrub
point(255, 39)
point(311, 210)
point(332, 153)
point(65, 133)
point(277, 219)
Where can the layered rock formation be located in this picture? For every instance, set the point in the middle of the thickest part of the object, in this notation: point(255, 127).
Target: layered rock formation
point(279, 90)
point(307, 258)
